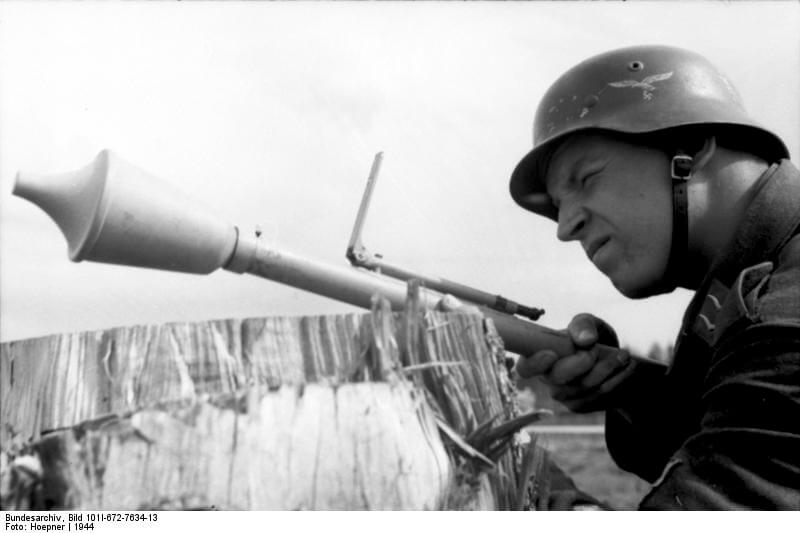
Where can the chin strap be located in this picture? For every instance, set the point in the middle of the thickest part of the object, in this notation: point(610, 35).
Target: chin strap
point(681, 171)
point(681, 166)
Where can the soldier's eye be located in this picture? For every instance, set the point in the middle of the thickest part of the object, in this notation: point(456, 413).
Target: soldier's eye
point(589, 175)
point(592, 172)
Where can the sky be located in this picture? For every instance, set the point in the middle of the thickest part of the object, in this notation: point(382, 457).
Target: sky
point(271, 113)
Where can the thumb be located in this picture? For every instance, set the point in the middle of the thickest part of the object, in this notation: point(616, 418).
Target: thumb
point(586, 330)
point(583, 330)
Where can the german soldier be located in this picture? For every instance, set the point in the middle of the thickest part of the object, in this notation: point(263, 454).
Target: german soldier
point(647, 157)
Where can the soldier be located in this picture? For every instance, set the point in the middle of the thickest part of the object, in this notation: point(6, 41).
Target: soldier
point(646, 156)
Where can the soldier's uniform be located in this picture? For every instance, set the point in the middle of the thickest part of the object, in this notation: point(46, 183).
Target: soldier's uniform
point(721, 430)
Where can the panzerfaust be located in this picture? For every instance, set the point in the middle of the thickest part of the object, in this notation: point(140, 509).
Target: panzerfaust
point(113, 212)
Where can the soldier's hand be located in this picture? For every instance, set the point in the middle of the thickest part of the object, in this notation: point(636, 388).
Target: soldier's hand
point(584, 379)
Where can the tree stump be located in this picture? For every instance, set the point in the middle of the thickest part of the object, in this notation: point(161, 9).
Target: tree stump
point(411, 410)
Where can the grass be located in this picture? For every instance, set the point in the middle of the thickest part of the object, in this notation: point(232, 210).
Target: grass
point(585, 458)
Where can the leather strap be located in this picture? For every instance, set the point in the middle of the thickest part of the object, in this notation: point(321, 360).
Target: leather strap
point(680, 230)
point(678, 253)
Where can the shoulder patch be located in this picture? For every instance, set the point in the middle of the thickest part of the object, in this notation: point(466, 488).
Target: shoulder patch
point(767, 292)
point(741, 306)
point(781, 300)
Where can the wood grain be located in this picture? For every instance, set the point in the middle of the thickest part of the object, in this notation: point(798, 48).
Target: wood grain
point(324, 412)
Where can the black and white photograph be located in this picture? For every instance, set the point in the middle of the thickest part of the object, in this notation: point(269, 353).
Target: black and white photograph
point(397, 256)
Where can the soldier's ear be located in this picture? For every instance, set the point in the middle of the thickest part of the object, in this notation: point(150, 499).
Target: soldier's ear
point(704, 155)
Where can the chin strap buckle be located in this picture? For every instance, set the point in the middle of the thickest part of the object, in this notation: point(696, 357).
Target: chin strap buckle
point(681, 166)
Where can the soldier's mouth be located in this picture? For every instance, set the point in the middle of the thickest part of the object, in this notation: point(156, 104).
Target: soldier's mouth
point(594, 248)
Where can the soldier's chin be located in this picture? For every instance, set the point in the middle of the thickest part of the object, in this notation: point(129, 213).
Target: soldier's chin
point(638, 289)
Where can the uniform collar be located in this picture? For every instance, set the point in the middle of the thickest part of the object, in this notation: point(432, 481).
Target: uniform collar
point(770, 220)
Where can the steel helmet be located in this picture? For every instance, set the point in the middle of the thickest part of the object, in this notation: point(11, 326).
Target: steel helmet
point(640, 89)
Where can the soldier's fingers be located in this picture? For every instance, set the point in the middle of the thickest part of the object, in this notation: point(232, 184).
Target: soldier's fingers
point(571, 368)
point(609, 362)
point(536, 364)
point(567, 393)
point(581, 405)
point(576, 398)
point(612, 383)
point(583, 330)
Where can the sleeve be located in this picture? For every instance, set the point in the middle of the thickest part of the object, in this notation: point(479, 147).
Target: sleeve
point(638, 428)
point(746, 453)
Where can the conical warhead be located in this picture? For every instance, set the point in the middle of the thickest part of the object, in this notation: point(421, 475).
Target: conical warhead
point(113, 212)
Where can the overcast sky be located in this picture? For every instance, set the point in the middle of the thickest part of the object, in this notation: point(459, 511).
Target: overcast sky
point(272, 113)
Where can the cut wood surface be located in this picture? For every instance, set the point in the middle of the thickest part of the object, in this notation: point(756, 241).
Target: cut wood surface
point(362, 411)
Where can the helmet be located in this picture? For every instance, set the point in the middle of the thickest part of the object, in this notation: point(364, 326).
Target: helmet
point(635, 90)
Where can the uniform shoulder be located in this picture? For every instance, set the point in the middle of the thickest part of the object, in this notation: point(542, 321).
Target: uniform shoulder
point(780, 299)
point(765, 293)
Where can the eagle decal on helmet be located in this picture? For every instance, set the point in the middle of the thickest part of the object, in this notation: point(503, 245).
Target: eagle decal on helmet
point(646, 85)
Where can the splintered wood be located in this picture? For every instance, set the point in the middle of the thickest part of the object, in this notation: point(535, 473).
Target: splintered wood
point(361, 412)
